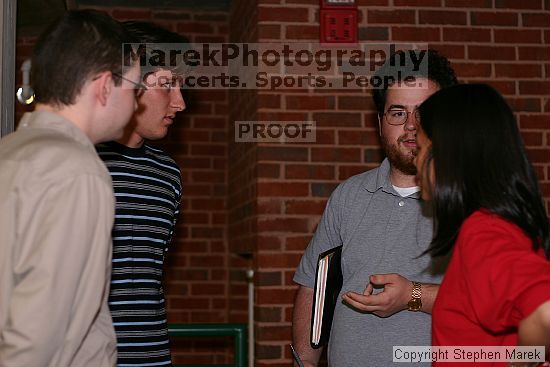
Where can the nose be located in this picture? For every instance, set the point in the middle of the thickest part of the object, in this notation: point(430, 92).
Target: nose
point(177, 102)
point(411, 122)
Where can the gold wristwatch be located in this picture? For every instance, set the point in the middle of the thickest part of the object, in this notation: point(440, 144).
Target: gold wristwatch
point(415, 304)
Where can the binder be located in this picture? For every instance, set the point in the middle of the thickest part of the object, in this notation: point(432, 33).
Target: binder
point(328, 283)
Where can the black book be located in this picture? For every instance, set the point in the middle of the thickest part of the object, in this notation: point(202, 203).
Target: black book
point(328, 283)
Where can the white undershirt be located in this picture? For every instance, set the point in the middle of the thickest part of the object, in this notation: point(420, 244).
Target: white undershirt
point(406, 191)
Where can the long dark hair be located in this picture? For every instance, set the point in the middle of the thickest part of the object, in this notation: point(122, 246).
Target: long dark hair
point(480, 162)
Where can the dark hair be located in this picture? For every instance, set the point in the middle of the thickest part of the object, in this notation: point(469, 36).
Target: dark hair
point(74, 48)
point(438, 70)
point(146, 32)
point(480, 162)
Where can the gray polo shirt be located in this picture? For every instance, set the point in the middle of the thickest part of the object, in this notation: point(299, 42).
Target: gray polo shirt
point(381, 232)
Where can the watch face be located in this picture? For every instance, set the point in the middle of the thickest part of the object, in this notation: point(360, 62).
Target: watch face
point(415, 304)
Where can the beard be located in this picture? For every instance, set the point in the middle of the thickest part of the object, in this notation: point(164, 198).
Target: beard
point(398, 159)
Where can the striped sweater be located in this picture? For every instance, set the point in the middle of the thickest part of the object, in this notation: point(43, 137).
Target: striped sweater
point(147, 188)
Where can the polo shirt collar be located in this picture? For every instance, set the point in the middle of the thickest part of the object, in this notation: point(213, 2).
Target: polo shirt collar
point(382, 181)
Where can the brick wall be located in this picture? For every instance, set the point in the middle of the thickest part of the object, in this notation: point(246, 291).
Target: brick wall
point(265, 200)
point(503, 43)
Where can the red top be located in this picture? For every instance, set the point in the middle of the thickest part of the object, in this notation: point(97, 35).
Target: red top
point(493, 281)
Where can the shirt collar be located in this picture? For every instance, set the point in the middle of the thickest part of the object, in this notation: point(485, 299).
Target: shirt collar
point(53, 121)
point(382, 181)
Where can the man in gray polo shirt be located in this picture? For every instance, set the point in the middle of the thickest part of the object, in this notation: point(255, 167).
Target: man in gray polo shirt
point(379, 220)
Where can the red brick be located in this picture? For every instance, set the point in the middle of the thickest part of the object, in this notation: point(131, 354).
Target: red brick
point(534, 53)
point(214, 17)
point(423, 34)
point(373, 155)
point(535, 121)
point(269, 314)
point(466, 34)
point(539, 156)
point(451, 51)
point(269, 31)
point(515, 4)
point(324, 137)
point(269, 100)
point(207, 204)
point(534, 87)
point(525, 104)
point(494, 18)
point(469, 3)
point(322, 189)
point(335, 154)
point(281, 116)
point(391, 16)
point(268, 278)
point(282, 189)
point(268, 296)
point(309, 172)
point(309, 102)
point(195, 27)
point(345, 172)
point(280, 14)
point(279, 333)
point(267, 170)
point(207, 289)
point(269, 243)
point(310, 207)
point(298, 243)
point(442, 17)
point(532, 138)
point(518, 70)
point(373, 34)
point(302, 32)
point(359, 103)
point(269, 352)
point(269, 206)
point(491, 52)
point(536, 20)
point(358, 137)
point(210, 122)
point(517, 36)
point(361, 3)
point(337, 119)
point(504, 87)
point(209, 150)
point(266, 153)
point(465, 70)
point(418, 3)
point(278, 260)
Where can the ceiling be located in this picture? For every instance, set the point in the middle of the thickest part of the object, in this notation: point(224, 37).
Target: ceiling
point(34, 15)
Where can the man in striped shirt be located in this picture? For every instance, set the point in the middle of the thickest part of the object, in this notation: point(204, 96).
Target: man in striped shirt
point(147, 187)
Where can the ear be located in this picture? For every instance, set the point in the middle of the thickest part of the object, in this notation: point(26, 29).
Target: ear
point(103, 86)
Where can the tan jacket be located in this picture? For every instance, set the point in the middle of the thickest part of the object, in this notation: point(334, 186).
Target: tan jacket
point(56, 216)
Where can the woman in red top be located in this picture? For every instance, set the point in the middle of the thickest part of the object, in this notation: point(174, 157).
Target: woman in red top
point(473, 168)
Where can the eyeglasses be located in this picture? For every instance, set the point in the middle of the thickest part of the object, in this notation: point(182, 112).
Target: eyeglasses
point(139, 89)
point(395, 116)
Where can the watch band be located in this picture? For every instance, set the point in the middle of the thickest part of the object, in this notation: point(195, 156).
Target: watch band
point(415, 304)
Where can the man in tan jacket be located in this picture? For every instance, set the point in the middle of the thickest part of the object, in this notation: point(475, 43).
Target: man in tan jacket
point(57, 202)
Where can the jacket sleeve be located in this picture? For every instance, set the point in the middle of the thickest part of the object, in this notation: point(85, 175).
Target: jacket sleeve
point(60, 267)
